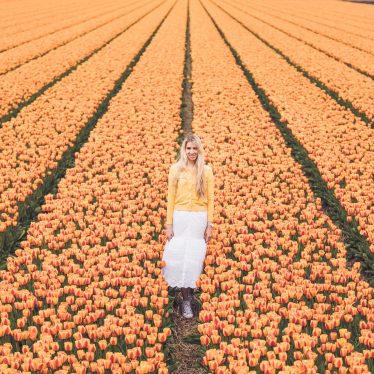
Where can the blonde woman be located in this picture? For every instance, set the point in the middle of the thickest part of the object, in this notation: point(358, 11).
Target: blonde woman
point(189, 219)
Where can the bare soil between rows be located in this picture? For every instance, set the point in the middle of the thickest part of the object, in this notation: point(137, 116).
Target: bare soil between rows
point(186, 354)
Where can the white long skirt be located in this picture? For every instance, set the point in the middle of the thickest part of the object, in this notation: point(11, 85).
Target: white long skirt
point(184, 254)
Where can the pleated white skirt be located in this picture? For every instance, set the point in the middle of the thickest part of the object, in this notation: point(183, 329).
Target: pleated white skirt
point(184, 254)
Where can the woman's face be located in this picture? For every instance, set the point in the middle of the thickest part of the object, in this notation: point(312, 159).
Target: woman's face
point(191, 150)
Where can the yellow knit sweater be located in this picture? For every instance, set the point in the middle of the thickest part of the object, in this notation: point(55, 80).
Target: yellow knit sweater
point(182, 194)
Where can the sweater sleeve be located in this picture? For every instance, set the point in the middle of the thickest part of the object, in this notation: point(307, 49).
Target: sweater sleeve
point(210, 193)
point(172, 186)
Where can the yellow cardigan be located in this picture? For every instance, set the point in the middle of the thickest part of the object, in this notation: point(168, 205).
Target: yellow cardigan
point(182, 194)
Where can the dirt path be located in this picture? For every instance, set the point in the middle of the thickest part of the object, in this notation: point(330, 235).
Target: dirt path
point(187, 355)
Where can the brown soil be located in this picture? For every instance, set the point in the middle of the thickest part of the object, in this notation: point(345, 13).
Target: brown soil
point(186, 354)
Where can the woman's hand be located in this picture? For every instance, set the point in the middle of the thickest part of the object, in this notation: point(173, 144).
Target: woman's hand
point(169, 231)
point(208, 233)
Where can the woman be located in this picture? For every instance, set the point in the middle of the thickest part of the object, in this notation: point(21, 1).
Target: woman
point(189, 219)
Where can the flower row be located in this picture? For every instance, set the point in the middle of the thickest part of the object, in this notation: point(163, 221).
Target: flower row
point(34, 142)
point(352, 33)
point(13, 58)
point(18, 18)
point(86, 292)
point(338, 143)
point(38, 20)
point(22, 83)
point(277, 295)
point(347, 83)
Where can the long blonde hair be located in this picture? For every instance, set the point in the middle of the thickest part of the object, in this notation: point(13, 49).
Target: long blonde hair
point(182, 163)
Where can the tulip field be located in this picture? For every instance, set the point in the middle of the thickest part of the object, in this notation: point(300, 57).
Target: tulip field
point(95, 100)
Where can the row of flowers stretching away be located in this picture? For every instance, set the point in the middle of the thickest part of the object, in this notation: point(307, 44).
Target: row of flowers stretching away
point(86, 292)
point(38, 47)
point(337, 142)
point(343, 81)
point(19, 85)
point(329, 35)
point(37, 20)
point(35, 141)
point(353, 19)
point(277, 295)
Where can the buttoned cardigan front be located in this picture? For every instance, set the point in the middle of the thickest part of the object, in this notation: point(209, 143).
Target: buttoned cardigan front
point(182, 194)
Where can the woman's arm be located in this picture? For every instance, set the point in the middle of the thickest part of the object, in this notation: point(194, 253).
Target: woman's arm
point(171, 197)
